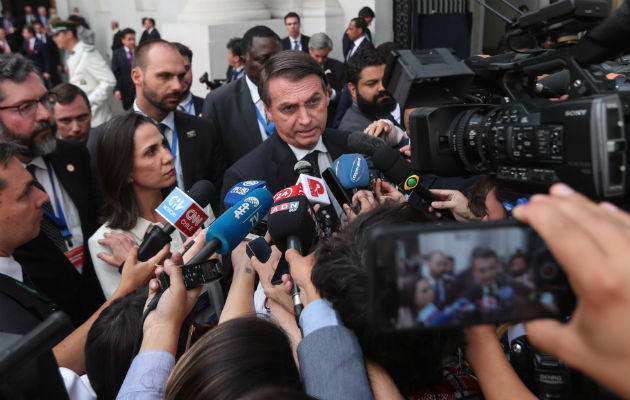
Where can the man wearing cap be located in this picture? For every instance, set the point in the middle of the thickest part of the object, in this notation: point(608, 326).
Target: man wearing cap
point(86, 69)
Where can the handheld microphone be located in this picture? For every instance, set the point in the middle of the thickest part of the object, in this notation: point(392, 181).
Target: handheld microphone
point(303, 167)
point(292, 226)
point(352, 171)
point(240, 190)
point(182, 211)
point(291, 191)
point(231, 227)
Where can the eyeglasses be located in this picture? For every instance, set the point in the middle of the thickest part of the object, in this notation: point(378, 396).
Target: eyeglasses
point(29, 107)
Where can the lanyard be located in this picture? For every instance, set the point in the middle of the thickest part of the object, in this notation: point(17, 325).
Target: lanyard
point(268, 128)
point(174, 144)
point(60, 220)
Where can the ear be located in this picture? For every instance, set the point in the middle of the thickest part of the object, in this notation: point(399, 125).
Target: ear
point(268, 112)
point(136, 76)
point(353, 91)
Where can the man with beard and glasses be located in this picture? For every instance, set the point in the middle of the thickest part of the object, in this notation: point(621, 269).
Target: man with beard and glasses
point(158, 74)
point(55, 262)
point(370, 100)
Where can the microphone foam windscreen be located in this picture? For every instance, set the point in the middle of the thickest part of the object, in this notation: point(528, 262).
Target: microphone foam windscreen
point(391, 163)
point(234, 224)
point(240, 190)
point(363, 143)
point(202, 191)
point(352, 171)
point(292, 216)
point(303, 167)
point(259, 248)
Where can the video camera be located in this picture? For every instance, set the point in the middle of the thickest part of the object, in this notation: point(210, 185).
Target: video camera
point(484, 115)
point(211, 85)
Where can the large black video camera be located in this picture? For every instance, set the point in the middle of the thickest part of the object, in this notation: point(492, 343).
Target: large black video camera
point(485, 115)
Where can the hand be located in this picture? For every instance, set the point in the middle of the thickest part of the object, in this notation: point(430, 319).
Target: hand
point(378, 128)
point(301, 270)
point(240, 259)
point(455, 201)
point(118, 95)
point(137, 273)
point(363, 199)
point(46, 75)
point(119, 245)
point(406, 151)
point(385, 193)
point(200, 241)
point(592, 244)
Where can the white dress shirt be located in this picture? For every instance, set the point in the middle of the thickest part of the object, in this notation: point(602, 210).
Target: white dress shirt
point(187, 105)
point(258, 103)
point(11, 268)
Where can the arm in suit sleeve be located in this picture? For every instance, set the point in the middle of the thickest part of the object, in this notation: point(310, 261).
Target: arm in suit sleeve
point(106, 80)
point(116, 70)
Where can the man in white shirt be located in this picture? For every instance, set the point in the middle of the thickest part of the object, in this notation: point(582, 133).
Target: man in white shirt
point(295, 40)
point(356, 32)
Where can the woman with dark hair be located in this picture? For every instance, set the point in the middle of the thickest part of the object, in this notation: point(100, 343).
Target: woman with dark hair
point(233, 359)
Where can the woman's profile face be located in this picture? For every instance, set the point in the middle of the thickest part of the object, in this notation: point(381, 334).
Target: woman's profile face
point(424, 294)
point(153, 166)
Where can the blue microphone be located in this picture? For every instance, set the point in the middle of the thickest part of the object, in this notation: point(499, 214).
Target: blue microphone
point(231, 227)
point(352, 171)
point(240, 190)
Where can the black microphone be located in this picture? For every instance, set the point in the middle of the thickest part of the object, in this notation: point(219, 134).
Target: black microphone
point(291, 226)
point(554, 85)
point(360, 142)
point(303, 167)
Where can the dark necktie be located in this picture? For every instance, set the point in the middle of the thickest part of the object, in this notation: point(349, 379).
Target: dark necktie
point(47, 226)
point(130, 56)
point(350, 52)
point(312, 159)
point(162, 128)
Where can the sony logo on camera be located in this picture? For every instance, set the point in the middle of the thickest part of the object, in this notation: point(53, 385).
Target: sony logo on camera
point(575, 113)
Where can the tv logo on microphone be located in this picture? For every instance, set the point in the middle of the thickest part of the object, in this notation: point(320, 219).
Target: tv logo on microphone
point(314, 189)
point(290, 207)
point(182, 212)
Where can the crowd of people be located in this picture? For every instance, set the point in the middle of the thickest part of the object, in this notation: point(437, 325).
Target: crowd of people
point(80, 189)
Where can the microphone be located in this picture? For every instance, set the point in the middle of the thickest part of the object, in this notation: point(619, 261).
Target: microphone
point(337, 189)
point(399, 171)
point(182, 211)
point(292, 226)
point(291, 191)
point(360, 142)
point(554, 85)
point(240, 190)
point(352, 171)
point(303, 167)
point(233, 225)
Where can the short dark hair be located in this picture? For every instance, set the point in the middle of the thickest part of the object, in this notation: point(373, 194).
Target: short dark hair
point(148, 19)
point(293, 65)
point(482, 252)
point(236, 46)
point(366, 12)
point(359, 22)
point(7, 152)
point(183, 50)
point(67, 92)
point(140, 56)
point(291, 14)
point(362, 58)
point(257, 31)
point(15, 67)
point(111, 341)
point(144, 19)
point(114, 162)
point(233, 359)
point(30, 29)
point(126, 32)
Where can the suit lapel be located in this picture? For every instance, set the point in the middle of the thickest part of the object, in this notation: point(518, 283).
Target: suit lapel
point(248, 113)
point(186, 158)
point(283, 161)
point(67, 173)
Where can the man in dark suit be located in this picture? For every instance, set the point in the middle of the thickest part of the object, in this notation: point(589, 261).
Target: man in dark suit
point(197, 149)
point(33, 49)
point(298, 109)
point(236, 68)
point(149, 32)
point(14, 36)
point(56, 261)
point(189, 103)
point(117, 37)
point(52, 52)
point(236, 108)
point(124, 91)
point(295, 40)
point(368, 15)
point(319, 47)
point(356, 31)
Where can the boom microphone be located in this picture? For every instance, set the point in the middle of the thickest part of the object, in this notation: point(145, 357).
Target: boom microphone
point(360, 142)
point(231, 227)
point(184, 211)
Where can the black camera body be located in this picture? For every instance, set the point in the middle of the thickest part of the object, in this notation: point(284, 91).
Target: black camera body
point(529, 145)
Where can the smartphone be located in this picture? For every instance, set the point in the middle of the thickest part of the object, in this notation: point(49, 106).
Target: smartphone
point(436, 276)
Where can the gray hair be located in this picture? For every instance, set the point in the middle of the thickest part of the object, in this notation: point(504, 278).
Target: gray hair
point(15, 67)
point(319, 41)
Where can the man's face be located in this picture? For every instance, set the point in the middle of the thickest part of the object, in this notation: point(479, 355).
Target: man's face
point(437, 265)
point(162, 81)
point(261, 49)
point(148, 24)
point(62, 39)
point(26, 34)
point(353, 32)
point(20, 207)
point(73, 119)
point(3, 34)
point(28, 9)
point(370, 95)
point(187, 81)
point(41, 11)
point(39, 28)
point(368, 20)
point(320, 55)
point(35, 132)
point(298, 109)
point(129, 41)
point(485, 270)
point(293, 26)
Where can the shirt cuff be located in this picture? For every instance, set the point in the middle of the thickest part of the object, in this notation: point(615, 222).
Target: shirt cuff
point(147, 375)
point(318, 314)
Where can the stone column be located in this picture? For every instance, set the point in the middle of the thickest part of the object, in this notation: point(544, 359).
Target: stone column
point(324, 16)
point(280, 8)
point(213, 12)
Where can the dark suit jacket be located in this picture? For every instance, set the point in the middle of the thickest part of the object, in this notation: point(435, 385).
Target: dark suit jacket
point(347, 43)
point(231, 109)
point(149, 36)
point(337, 80)
point(198, 103)
point(365, 43)
point(54, 59)
point(40, 56)
point(201, 152)
point(79, 295)
point(122, 71)
point(273, 162)
point(286, 43)
point(116, 40)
